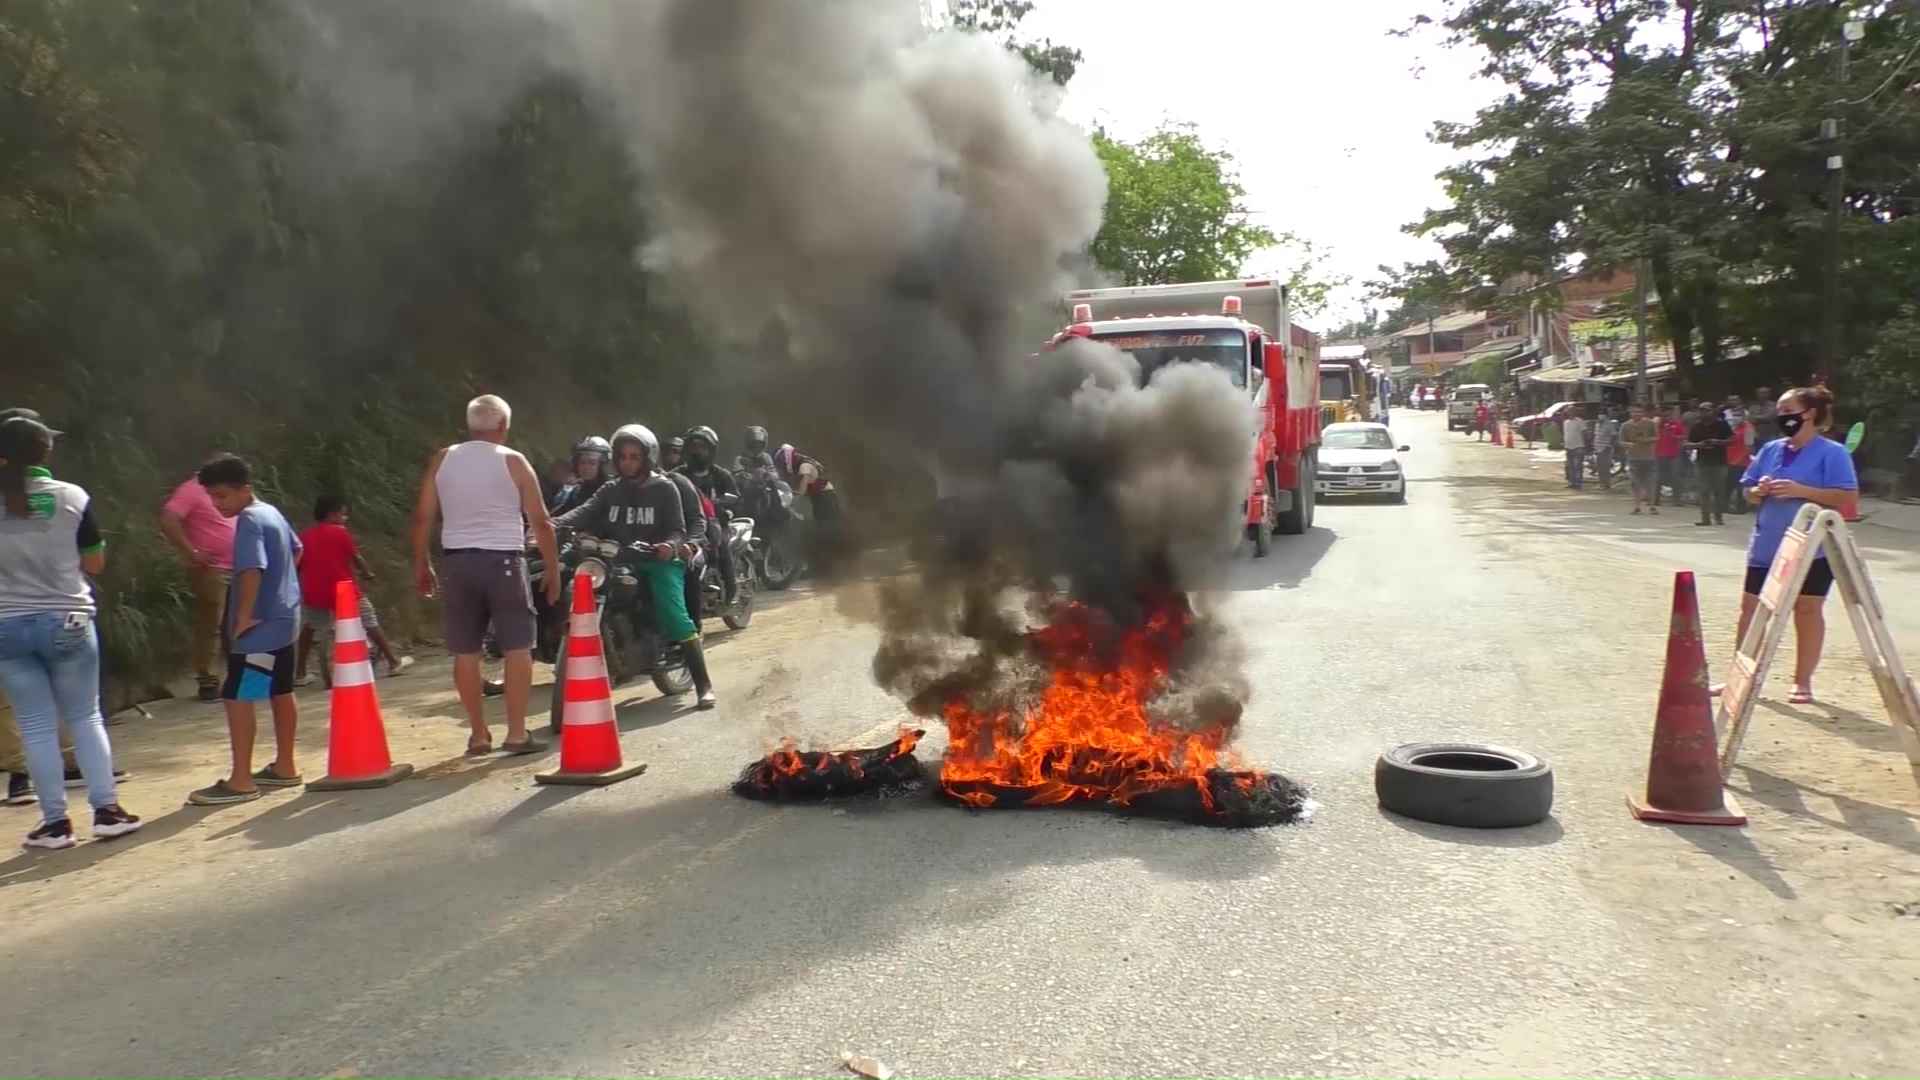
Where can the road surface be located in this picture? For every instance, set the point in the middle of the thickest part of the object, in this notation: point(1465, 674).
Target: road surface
point(467, 923)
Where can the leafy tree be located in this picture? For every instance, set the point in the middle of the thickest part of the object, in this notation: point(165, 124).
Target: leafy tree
point(1174, 210)
point(1000, 19)
point(1687, 133)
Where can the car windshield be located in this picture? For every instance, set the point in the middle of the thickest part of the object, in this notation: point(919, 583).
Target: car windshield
point(1336, 385)
point(1224, 348)
point(1357, 439)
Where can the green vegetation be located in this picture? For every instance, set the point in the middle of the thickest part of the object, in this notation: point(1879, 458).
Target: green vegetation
point(189, 268)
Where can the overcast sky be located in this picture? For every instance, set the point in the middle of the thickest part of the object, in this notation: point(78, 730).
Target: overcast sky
point(1325, 113)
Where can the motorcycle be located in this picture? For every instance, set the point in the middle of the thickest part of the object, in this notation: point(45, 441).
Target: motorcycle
point(630, 639)
point(713, 586)
point(775, 549)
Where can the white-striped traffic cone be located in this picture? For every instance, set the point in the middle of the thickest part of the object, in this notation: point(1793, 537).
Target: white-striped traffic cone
point(357, 754)
point(589, 735)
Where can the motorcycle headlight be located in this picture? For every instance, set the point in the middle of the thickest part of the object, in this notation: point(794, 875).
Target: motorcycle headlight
point(595, 570)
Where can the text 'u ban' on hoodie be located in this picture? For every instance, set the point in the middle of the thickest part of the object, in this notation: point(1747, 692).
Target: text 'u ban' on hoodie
point(632, 510)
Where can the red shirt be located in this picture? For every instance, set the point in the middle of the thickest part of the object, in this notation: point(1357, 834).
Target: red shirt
point(1672, 434)
point(327, 554)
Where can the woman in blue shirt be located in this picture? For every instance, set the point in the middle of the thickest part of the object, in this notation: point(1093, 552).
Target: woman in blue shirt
point(1789, 472)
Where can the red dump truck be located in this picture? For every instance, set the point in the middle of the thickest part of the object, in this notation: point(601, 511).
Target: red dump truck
point(1241, 327)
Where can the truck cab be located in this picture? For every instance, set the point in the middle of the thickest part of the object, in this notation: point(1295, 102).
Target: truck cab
point(1240, 327)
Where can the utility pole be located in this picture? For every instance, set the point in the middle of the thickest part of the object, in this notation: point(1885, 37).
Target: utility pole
point(1640, 331)
point(1833, 131)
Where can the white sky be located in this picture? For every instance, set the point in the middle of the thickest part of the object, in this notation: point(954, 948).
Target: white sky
point(1326, 115)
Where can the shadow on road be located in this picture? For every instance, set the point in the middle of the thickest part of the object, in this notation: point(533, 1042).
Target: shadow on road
point(1861, 730)
point(25, 867)
point(310, 814)
point(1737, 851)
point(1869, 821)
point(1289, 563)
point(1541, 835)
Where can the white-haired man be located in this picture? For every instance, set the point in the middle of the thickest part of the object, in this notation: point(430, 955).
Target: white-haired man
point(485, 496)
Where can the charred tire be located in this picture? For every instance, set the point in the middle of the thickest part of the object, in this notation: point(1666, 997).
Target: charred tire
point(1467, 785)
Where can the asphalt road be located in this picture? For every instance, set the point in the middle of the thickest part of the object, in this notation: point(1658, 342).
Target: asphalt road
point(467, 923)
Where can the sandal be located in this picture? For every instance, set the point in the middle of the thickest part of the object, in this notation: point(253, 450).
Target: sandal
point(479, 749)
point(266, 777)
point(528, 745)
point(1801, 695)
point(219, 794)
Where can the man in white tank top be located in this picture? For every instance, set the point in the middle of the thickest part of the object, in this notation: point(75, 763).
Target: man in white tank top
point(485, 496)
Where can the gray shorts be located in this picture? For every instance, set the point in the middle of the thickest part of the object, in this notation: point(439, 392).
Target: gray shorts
point(479, 589)
point(320, 619)
point(1645, 476)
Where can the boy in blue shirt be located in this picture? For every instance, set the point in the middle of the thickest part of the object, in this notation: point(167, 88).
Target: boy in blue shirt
point(263, 622)
point(1801, 467)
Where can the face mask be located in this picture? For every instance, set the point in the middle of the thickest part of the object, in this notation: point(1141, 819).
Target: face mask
point(699, 459)
point(1791, 424)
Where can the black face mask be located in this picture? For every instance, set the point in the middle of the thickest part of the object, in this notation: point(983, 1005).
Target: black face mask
point(699, 459)
point(1791, 423)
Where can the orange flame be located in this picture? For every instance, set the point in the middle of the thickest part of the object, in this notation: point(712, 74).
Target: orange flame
point(1089, 737)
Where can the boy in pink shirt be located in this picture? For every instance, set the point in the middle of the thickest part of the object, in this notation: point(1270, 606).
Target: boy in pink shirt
point(204, 538)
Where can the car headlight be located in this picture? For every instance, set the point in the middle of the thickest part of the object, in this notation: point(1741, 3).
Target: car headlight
point(595, 570)
point(1391, 466)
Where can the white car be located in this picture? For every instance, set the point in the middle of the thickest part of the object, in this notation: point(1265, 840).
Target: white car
point(1360, 459)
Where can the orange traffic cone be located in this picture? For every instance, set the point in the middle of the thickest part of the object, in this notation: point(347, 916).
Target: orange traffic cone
point(589, 737)
point(1683, 772)
point(1509, 436)
point(357, 755)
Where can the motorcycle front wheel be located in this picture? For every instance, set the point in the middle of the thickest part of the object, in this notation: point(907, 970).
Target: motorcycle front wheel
point(740, 613)
point(781, 564)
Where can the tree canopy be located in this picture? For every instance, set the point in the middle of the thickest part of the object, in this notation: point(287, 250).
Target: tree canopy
point(1688, 133)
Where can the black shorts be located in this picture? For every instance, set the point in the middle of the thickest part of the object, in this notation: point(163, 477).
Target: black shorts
point(258, 676)
point(1819, 579)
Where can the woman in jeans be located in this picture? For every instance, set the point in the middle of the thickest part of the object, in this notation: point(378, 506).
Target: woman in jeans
point(49, 654)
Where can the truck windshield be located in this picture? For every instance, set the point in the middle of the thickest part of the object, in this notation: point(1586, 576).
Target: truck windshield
point(1336, 385)
point(1224, 348)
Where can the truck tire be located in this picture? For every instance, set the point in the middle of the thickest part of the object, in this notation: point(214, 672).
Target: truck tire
point(1298, 517)
point(1466, 785)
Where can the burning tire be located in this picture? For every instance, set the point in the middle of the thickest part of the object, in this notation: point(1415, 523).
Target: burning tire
point(1468, 785)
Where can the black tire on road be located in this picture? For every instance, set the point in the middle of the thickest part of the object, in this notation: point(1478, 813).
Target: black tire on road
point(1468, 785)
point(1401, 495)
point(1298, 518)
point(741, 613)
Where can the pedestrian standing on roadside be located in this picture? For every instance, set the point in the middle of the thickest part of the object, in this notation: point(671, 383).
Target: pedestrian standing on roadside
point(1739, 456)
point(1606, 442)
point(262, 623)
point(1669, 452)
point(1761, 414)
point(204, 538)
point(1709, 439)
point(328, 556)
point(1573, 435)
point(1482, 419)
point(49, 654)
point(486, 498)
point(1641, 437)
point(1798, 468)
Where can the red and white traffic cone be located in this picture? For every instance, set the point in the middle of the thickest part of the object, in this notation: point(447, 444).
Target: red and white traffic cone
point(1683, 771)
point(589, 735)
point(357, 754)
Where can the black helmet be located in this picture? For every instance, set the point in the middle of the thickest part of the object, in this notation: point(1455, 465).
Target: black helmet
point(756, 439)
point(593, 444)
point(704, 434)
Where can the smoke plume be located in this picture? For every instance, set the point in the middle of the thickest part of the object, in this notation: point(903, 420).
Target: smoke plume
point(902, 202)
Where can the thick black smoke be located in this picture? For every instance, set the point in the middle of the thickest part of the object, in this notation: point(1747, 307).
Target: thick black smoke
point(902, 202)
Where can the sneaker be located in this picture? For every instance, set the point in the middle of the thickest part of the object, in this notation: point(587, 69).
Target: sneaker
point(400, 665)
point(111, 821)
point(209, 692)
point(219, 794)
point(302, 680)
point(52, 835)
point(19, 789)
point(75, 780)
point(707, 700)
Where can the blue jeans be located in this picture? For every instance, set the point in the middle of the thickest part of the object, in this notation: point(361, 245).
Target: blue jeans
point(51, 674)
point(1576, 466)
